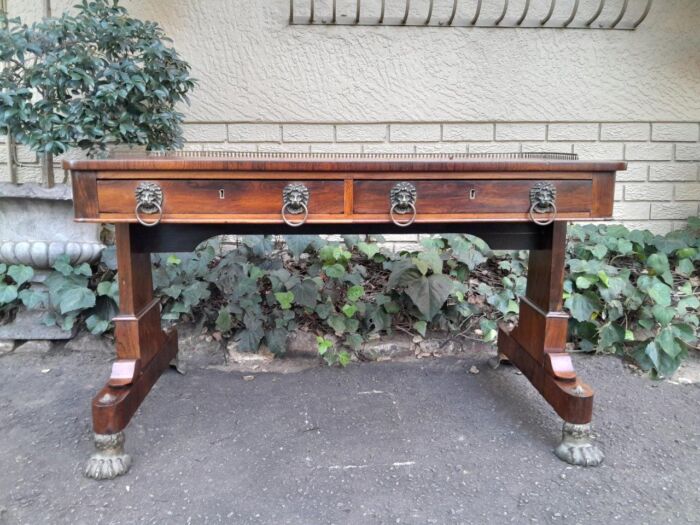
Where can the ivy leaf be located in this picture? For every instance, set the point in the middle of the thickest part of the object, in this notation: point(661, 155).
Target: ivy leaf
point(354, 341)
point(624, 246)
point(355, 293)
point(663, 314)
point(685, 267)
point(8, 293)
point(173, 291)
point(249, 340)
point(652, 352)
point(334, 271)
point(471, 257)
point(337, 323)
point(488, 329)
point(420, 327)
point(224, 321)
point(276, 340)
point(429, 293)
point(660, 293)
point(298, 244)
point(349, 310)
point(76, 298)
point(109, 289)
point(431, 260)
point(582, 307)
point(84, 269)
point(323, 310)
point(306, 293)
point(62, 265)
point(33, 299)
point(599, 251)
point(20, 274)
point(343, 358)
point(658, 262)
point(173, 260)
point(323, 345)
point(584, 282)
point(667, 341)
point(688, 303)
point(610, 335)
point(684, 332)
point(96, 325)
point(195, 292)
point(285, 299)
point(370, 250)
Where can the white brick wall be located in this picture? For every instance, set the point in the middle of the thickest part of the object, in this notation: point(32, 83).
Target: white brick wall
point(660, 189)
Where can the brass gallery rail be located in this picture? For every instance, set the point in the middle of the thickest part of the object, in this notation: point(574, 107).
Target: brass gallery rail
point(172, 202)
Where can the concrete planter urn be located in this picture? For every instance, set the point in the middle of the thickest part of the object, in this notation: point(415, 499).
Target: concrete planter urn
point(36, 227)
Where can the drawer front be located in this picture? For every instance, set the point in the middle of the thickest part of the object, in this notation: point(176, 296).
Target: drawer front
point(472, 196)
point(207, 197)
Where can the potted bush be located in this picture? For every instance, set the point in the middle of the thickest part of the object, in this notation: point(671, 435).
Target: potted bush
point(87, 80)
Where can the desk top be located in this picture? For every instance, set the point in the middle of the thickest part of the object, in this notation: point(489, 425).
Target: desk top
point(344, 162)
point(278, 188)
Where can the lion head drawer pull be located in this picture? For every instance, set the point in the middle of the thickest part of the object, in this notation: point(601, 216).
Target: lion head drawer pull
point(403, 201)
point(149, 200)
point(295, 198)
point(542, 199)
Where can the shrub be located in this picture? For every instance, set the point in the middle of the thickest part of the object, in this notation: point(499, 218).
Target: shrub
point(91, 79)
point(629, 292)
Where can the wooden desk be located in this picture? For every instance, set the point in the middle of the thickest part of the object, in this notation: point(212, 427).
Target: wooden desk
point(173, 202)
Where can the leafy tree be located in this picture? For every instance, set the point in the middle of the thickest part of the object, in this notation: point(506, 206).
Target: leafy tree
point(90, 79)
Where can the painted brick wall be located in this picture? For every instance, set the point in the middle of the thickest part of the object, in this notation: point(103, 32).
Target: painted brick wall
point(659, 191)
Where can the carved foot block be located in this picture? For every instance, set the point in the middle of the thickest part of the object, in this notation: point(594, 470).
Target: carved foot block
point(577, 448)
point(110, 460)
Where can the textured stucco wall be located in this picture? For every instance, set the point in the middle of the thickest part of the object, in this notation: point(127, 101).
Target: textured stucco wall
point(613, 94)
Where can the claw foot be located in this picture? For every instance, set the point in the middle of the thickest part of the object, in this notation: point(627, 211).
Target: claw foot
point(110, 460)
point(577, 448)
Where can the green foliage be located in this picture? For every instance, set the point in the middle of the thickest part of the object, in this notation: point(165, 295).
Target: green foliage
point(91, 79)
point(634, 293)
point(13, 284)
point(628, 292)
point(73, 294)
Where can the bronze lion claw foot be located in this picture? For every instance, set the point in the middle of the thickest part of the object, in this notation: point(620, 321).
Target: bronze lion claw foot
point(577, 447)
point(110, 460)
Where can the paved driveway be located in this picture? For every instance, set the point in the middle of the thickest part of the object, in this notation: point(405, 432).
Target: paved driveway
point(413, 442)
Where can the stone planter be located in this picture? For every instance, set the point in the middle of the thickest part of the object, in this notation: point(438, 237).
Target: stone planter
point(36, 227)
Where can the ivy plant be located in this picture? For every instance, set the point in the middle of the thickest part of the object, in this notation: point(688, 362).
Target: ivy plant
point(631, 293)
point(634, 293)
point(90, 79)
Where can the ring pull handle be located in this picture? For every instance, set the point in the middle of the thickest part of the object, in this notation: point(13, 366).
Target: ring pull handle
point(295, 201)
point(403, 198)
point(543, 196)
point(149, 201)
point(393, 212)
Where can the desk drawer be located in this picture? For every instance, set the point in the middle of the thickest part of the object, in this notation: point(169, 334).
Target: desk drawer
point(207, 197)
point(472, 196)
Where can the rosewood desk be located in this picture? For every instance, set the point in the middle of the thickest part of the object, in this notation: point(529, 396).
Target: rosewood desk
point(174, 201)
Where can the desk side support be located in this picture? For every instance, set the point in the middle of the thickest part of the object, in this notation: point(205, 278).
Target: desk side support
point(144, 352)
point(537, 346)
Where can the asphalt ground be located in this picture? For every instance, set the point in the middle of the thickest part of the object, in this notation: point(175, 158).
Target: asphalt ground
point(413, 442)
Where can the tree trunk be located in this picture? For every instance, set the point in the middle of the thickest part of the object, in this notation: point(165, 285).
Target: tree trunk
point(47, 173)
